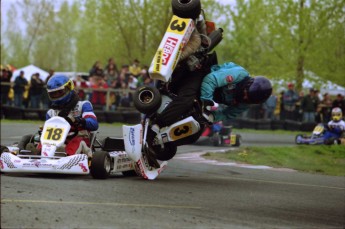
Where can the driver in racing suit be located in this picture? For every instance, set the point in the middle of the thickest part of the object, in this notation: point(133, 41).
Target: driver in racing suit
point(66, 103)
point(335, 127)
point(231, 84)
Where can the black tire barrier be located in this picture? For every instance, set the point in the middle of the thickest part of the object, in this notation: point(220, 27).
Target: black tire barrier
point(132, 116)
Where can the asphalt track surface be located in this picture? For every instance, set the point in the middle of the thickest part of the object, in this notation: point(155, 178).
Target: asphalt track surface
point(190, 193)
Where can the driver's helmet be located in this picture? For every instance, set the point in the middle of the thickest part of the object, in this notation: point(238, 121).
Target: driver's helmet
point(259, 89)
point(60, 89)
point(337, 114)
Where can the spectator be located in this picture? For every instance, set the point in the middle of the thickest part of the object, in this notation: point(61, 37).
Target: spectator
point(36, 90)
point(309, 106)
point(299, 112)
point(81, 84)
point(324, 109)
point(96, 66)
point(119, 83)
point(135, 68)
point(124, 73)
point(132, 82)
point(5, 89)
point(290, 98)
point(111, 62)
point(280, 108)
point(19, 87)
point(45, 98)
point(339, 102)
point(110, 74)
point(269, 106)
point(99, 96)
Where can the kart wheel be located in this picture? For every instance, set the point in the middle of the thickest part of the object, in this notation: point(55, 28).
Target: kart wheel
point(238, 140)
point(147, 99)
point(217, 139)
point(168, 152)
point(130, 173)
point(100, 165)
point(186, 8)
point(4, 149)
point(297, 139)
point(24, 141)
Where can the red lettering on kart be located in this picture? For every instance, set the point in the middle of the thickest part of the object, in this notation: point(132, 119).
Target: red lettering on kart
point(83, 167)
point(168, 49)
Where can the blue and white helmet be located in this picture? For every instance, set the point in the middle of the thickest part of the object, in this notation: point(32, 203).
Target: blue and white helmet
point(60, 89)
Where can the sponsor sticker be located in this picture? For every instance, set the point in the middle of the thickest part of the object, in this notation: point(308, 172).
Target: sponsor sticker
point(168, 49)
point(229, 79)
point(131, 136)
point(158, 61)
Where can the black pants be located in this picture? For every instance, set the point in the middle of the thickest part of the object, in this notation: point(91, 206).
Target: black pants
point(186, 85)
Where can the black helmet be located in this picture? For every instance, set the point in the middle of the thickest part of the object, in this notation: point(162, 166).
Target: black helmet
point(259, 90)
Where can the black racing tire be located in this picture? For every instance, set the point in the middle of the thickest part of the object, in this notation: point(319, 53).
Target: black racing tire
point(147, 99)
point(238, 140)
point(100, 165)
point(29, 138)
point(217, 139)
point(4, 149)
point(186, 8)
point(167, 153)
point(130, 173)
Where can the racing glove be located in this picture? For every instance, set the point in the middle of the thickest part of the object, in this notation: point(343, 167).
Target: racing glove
point(80, 122)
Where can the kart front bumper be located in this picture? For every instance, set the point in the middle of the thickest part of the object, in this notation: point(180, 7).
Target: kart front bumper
point(75, 164)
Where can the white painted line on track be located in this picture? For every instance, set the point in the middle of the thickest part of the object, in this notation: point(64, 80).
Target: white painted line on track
point(97, 203)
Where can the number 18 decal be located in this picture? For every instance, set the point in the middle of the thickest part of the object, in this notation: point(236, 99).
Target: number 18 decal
point(54, 134)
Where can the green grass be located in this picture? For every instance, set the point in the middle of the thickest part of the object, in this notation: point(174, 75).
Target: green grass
point(323, 159)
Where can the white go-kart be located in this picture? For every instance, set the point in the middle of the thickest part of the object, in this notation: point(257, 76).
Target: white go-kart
point(151, 155)
point(108, 158)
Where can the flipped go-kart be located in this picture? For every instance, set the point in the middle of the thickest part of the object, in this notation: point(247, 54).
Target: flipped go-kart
point(153, 100)
point(108, 158)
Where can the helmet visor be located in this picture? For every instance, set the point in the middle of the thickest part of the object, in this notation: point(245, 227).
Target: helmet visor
point(57, 94)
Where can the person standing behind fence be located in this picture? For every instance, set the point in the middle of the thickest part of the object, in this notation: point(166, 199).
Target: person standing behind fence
point(339, 102)
point(36, 90)
point(269, 106)
point(5, 89)
point(19, 87)
point(309, 106)
point(290, 98)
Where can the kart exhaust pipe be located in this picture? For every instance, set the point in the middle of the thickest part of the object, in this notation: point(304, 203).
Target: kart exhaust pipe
point(216, 37)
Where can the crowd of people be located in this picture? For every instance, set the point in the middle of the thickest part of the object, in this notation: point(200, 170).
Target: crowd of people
point(286, 105)
point(292, 105)
point(93, 86)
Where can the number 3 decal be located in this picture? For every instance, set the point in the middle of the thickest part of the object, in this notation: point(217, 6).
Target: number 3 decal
point(178, 25)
